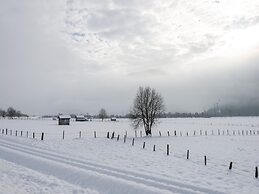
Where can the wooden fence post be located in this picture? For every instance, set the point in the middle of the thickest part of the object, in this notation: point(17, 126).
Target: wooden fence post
point(42, 136)
point(256, 172)
point(132, 142)
point(188, 152)
point(33, 135)
point(174, 132)
point(125, 138)
point(167, 149)
point(168, 133)
point(206, 133)
point(6, 131)
point(144, 144)
point(230, 166)
point(205, 160)
point(113, 133)
point(80, 134)
point(95, 134)
point(154, 148)
point(194, 133)
point(108, 135)
point(21, 133)
point(187, 133)
point(118, 137)
point(63, 134)
point(160, 133)
point(16, 133)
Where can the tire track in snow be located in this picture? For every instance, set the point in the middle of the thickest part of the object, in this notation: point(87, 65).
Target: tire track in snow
point(129, 178)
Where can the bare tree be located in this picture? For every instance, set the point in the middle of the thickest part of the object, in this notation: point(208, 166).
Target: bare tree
point(148, 105)
point(2, 113)
point(11, 112)
point(103, 114)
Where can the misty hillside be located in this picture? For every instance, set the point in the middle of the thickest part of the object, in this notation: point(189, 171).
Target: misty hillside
point(245, 109)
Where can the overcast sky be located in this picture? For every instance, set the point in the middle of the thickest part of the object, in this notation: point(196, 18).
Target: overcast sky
point(78, 56)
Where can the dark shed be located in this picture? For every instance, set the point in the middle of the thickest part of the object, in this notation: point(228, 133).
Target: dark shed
point(64, 120)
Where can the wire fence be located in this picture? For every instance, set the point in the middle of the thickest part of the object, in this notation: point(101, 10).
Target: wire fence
point(138, 135)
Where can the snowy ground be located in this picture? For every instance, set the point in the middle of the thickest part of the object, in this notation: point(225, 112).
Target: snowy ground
point(101, 165)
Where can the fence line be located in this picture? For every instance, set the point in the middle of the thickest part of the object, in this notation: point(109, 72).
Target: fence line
point(41, 136)
point(205, 158)
point(72, 135)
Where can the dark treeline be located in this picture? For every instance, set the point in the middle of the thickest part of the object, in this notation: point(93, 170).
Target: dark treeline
point(248, 109)
point(11, 112)
point(223, 111)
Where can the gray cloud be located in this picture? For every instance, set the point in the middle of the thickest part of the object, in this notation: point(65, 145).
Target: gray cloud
point(79, 56)
point(243, 22)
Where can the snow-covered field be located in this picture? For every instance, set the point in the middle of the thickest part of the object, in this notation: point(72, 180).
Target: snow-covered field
point(101, 165)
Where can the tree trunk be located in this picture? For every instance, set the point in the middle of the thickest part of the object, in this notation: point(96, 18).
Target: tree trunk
point(148, 132)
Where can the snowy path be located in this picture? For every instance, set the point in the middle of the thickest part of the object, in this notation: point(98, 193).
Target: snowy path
point(83, 173)
point(18, 179)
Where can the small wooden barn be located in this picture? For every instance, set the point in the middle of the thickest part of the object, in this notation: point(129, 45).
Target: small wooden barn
point(64, 119)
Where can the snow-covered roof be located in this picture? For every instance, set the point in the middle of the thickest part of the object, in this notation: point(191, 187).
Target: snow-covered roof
point(80, 116)
point(64, 117)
